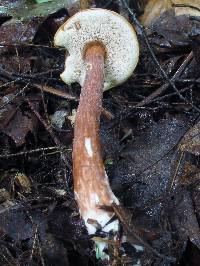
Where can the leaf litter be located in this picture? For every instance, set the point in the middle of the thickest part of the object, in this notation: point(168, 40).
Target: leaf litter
point(149, 131)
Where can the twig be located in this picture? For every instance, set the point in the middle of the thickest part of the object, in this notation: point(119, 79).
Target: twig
point(122, 214)
point(50, 131)
point(24, 153)
point(107, 4)
point(11, 98)
point(21, 76)
point(34, 243)
point(161, 70)
point(35, 75)
point(29, 45)
point(9, 83)
point(47, 89)
point(163, 88)
point(186, 5)
point(169, 95)
point(123, 11)
point(40, 250)
point(193, 81)
point(54, 91)
point(173, 178)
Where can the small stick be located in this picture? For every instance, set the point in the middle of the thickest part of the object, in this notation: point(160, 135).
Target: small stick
point(163, 88)
point(24, 153)
point(49, 129)
point(161, 70)
point(132, 231)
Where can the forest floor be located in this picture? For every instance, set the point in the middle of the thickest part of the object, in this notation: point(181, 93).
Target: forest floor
point(150, 135)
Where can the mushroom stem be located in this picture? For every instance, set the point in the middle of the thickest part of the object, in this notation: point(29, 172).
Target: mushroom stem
point(91, 185)
point(103, 52)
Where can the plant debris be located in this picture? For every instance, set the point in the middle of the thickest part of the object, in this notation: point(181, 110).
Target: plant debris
point(150, 132)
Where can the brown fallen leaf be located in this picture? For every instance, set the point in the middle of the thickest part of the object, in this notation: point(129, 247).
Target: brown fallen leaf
point(169, 31)
point(23, 182)
point(17, 31)
point(155, 8)
point(4, 195)
point(135, 234)
point(184, 219)
point(195, 44)
point(17, 124)
point(191, 140)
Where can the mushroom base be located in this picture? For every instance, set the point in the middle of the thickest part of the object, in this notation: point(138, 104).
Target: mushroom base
point(99, 219)
point(111, 229)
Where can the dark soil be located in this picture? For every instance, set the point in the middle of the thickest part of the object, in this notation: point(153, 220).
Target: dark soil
point(150, 145)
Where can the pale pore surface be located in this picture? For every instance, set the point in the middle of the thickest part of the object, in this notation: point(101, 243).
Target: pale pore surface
point(113, 31)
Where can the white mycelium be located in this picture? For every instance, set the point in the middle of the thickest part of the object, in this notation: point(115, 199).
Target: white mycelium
point(102, 218)
point(108, 28)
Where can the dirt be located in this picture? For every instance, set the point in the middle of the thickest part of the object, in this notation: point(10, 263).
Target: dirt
point(149, 134)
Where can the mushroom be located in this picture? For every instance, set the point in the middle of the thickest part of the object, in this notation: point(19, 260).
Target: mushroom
point(103, 52)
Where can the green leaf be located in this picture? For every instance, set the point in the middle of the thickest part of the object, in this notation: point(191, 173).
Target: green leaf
point(42, 1)
point(24, 9)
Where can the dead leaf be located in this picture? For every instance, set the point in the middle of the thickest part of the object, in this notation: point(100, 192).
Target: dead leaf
point(17, 124)
point(23, 181)
point(16, 31)
point(4, 195)
point(183, 218)
point(195, 43)
point(28, 9)
point(170, 31)
point(155, 8)
point(191, 140)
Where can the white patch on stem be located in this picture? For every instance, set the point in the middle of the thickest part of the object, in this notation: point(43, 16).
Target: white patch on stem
point(139, 248)
point(88, 146)
point(95, 199)
point(76, 195)
point(138, 263)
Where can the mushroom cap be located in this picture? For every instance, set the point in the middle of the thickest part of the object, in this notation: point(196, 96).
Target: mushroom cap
point(112, 31)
